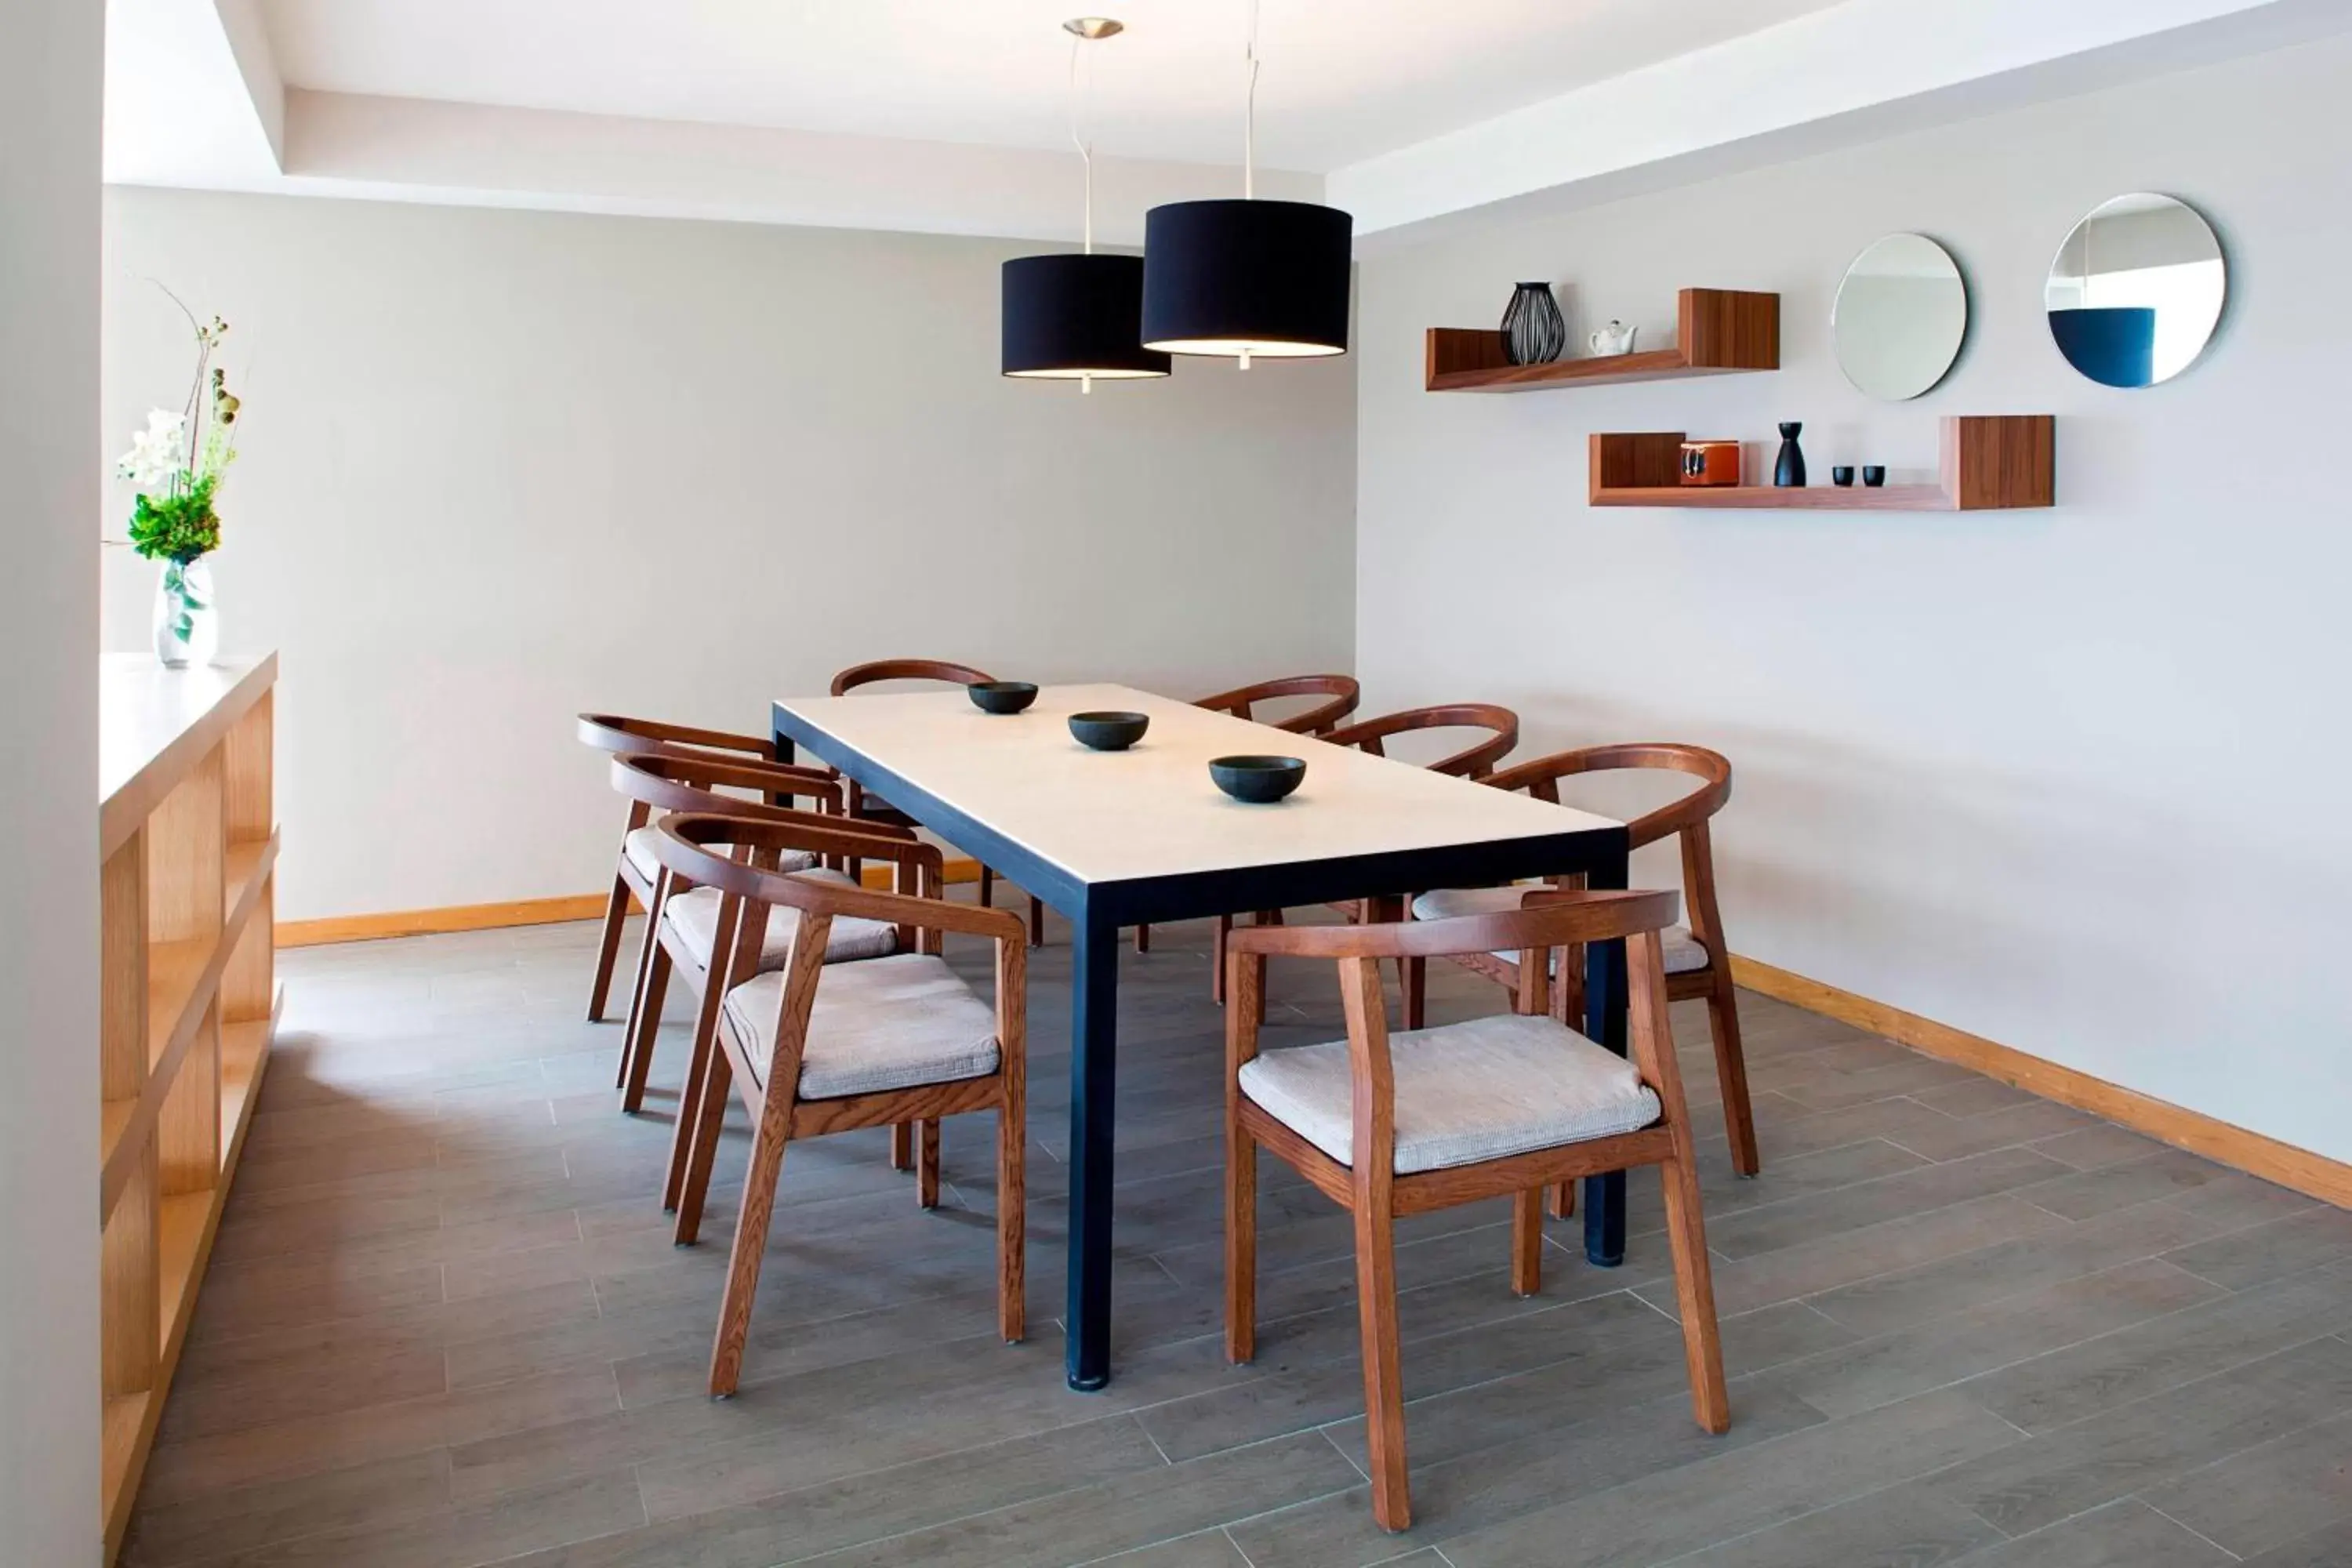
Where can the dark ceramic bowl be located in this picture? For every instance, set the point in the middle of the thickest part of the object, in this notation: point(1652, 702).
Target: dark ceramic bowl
point(1001, 696)
point(1108, 732)
point(1873, 475)
point(1842, 475)
point(1261, 781)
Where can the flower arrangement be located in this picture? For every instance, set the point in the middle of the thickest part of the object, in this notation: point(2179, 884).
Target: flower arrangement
point(178, 462)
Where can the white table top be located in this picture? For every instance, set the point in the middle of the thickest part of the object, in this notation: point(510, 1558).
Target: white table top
point(1152, 811)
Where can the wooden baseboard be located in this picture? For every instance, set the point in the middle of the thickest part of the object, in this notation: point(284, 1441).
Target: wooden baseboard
point(494, 917)
point(434, 922)
point(2252, 1153)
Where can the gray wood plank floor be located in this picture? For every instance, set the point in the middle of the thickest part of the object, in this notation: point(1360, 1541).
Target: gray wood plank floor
point(445, 1325)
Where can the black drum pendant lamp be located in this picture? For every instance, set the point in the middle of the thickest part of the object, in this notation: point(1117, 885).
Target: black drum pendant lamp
point(1244, 278)
point(1077, 317)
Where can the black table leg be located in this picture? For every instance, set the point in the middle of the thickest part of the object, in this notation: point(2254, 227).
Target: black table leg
point(1093, 1074)
point(1605, 1021)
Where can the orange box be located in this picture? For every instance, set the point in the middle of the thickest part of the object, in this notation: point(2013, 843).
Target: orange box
point(1710, 462)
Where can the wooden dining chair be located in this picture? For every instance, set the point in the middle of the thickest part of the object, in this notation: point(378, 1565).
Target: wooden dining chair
point(1340, 693)
point(874, 808)
point(634, 869)
point(684, 929)
point(1390, 1125)
point(1697, 961)
point(816, 1048)
point(1474, 761)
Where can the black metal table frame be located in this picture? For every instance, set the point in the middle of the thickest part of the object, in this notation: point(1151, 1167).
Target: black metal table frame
point(1099, 910)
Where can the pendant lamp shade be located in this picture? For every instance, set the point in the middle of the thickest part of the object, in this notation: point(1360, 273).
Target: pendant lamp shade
point(1068, 317)
point(1263, 278)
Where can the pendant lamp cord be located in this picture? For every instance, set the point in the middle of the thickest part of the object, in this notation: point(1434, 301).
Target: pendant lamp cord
point(1249, 114)
point(1083, 140)
point(1085, 144)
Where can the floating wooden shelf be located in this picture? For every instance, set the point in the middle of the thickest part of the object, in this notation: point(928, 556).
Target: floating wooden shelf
point(1991, 462)
point(1717, 332)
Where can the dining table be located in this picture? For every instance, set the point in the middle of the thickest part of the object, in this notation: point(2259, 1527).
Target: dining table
point(1112, 840)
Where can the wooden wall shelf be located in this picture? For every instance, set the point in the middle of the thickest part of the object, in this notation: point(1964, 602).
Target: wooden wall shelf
point(1989, 462)
point(189, 1003)
point(1717, 332)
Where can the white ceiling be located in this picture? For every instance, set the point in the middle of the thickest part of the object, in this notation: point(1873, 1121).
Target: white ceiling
point(1341, 79)
point(950, 116)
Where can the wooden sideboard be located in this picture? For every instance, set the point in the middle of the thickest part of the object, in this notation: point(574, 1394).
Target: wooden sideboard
point(188, 1001)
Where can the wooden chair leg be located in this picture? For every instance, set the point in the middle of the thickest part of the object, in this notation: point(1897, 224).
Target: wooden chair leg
point(1143, 938)
point(702, 1149)
point(1012, 1200)
point(700, 1056)
point(1376, 1304)
point(608, 947)
point(645, 951)
point(927, 1165)
point(902, 1146)
point(1241, 1244)
point(743, 1261)
point(1036, 920)
point(1695, 1289)
point(1563, 1199)
point(1526, 1242)
point(1731, 1073)
point(644, 1027)
point(641, 1062)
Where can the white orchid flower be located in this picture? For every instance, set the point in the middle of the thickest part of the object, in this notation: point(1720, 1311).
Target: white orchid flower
point(157, 452)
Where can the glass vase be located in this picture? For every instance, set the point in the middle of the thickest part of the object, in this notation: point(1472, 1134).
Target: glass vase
point(187, 617)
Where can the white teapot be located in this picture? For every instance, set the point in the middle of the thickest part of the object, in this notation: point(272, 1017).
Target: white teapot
point(1616, 338)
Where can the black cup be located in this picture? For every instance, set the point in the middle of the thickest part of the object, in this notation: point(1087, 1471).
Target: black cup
point(1260, 780)
point(1843, 474)
point(1873, 474)
point(1108, 732)
point(1001, 696)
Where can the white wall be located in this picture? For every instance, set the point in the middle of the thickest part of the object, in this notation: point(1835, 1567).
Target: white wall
point(50, 91)
point(500, 467)
point(2069, 779)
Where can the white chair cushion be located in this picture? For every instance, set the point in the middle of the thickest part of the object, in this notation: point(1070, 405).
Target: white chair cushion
point(1683, 954)
point(1464, 1092)
point(639, 847)
point(893, 1023)
point(694, 914)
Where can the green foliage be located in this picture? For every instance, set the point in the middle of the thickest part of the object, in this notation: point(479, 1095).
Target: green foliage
point(178, 527)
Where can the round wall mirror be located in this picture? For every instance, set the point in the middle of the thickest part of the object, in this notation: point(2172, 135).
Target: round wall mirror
point(2136, 290)
point(1899, 317)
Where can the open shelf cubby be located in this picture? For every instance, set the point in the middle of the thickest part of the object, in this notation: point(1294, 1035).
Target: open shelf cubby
point(1989, 462)
point(1717, 332)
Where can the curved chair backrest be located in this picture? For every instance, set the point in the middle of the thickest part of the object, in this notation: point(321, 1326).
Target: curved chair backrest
point(667, 782)
point(1342, 691)
point(739, 849)
point(1549, 918)
point(702, 849)
point(1470, 763)
point(1542, 779)
point(881, 669)
point(618, 732)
